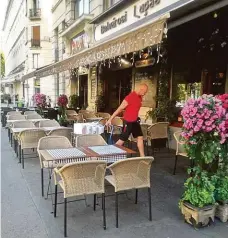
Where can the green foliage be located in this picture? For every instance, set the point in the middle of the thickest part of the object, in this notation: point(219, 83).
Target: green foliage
point(74, 101)
point(166, 109)
point(199, 190)
point(220, 181)
point(2, 64)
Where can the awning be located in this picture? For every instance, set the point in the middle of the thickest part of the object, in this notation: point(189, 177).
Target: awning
point(29, 75)
point(11, 78)
point(137, 39)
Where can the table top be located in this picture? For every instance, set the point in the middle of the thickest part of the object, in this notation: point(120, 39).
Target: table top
point(32, 120)
point(84, 153)
point(18, 130)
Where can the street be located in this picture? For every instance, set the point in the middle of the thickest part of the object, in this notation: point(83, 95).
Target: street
point(26, 214)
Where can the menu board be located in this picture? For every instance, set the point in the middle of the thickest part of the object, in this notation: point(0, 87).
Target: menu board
point(149, 78)
point(93, 79)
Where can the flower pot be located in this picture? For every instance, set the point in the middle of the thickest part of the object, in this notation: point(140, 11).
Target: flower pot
point(198, 217)
point(221, 211)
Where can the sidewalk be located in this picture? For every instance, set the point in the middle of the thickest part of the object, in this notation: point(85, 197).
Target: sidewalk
point(26, 214)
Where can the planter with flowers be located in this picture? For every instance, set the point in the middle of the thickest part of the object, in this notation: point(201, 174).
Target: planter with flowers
point(62, 103)
point(205, 132)
point(40, 101)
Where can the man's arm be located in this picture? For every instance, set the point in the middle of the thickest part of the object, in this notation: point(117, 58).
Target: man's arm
point(122, 106)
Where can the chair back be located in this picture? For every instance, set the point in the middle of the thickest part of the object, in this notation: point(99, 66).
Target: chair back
point(23, 124)
point(102, 121)
point(89, 115)
point(30, 138)
point(104, 115)
point(52, 142)
point(117, 124)
point(80, 118)
point(180, 148)
point(83, 178)
point(70, 112)
point(158, 130)
point(132, 173)
point(30, 113)
point(89, 140)
point(49, 123)
point(34, 116)
point(61, 132)
point(16, 117)
point(13, 113)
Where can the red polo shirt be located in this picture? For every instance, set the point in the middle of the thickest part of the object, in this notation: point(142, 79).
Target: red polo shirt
point(132, 110)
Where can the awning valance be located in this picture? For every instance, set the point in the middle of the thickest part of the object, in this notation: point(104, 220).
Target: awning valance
point(135, 40)
point(29, 75)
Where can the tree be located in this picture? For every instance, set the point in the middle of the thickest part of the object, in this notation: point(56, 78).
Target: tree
point(2, 65)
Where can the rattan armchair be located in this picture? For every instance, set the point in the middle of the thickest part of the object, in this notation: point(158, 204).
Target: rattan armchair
point(104, 115)
point(158, 131)
point(71, 115)
point(89, 115)
point(49, 123)
point(30, 113)
point(79, 179)
point(28, 139)
point(89, 140)
point(48, 143)
point(128, 174)
point(180, 150)
point(61, 132)
point(144, 128)
point(33, 116)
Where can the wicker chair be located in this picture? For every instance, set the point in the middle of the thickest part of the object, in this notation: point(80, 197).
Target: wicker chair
point(16, 117)
point(49, 123)
point(180, 150)
point(104, 115)
point(80, 118)
point(132, 173)
point(79, 179)
point(13, 113)
point(144, 128)
point(48, 143)
point(30, 113)
point(89, 140)
point(89, 115)
point(61, 132)
point(28, 139)
point(71, 115)
point(158, 131)
point(117, 123)
point(34, 116)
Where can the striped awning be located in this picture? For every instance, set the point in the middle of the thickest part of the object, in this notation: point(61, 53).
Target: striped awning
point(137, 39)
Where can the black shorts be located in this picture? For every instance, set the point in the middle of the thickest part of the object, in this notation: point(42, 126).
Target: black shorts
point(129, 128)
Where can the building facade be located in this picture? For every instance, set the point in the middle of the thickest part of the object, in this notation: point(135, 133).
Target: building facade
point(27, 30)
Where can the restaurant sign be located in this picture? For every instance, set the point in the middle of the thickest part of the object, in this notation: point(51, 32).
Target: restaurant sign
point(134, 13)
point(79, 42)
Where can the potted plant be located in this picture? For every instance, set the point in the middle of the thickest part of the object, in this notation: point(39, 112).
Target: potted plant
point(205, 133)
point(100, 103)
point(40, 101)
point(220, 181)
point(62, 103)
point(74, 102)
point(197, 203)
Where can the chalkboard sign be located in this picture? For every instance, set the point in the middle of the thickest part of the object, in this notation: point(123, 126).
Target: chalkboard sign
point(93, 79)
point(149, 78)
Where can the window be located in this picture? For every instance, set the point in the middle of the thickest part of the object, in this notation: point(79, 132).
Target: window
point(109, 3)
point(35, 41)
point(81, 7)
point(35, 61)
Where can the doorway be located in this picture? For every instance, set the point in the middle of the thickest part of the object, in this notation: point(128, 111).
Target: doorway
point(83, 91)
point(118, 85)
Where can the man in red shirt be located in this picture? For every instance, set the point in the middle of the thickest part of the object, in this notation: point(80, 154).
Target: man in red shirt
point(131, 122)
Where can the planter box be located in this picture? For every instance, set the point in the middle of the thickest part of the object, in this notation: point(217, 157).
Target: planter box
point(198, 217)
point(221, 211)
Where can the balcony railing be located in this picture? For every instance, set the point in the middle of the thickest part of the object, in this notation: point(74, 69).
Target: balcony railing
point(35, 43)
point(35, 13)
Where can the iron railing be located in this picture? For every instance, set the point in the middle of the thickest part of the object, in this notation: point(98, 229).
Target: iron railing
point(35, 43)
point(35, 13)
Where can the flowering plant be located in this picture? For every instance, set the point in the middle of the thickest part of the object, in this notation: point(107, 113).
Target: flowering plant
point(40, 100)
point(62, 100)
point(224, 100)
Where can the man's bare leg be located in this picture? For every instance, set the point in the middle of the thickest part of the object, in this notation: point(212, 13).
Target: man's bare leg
point(140, 145)
point(120, 142)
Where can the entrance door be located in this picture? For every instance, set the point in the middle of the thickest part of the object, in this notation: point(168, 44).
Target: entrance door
point(83, 91)
point(119, 84)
